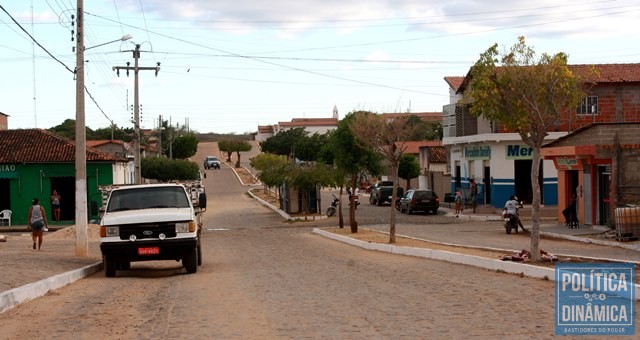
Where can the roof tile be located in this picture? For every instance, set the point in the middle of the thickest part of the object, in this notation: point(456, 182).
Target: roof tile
point(42, 146)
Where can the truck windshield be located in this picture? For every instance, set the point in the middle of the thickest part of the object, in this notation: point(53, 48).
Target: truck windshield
point(148, 198)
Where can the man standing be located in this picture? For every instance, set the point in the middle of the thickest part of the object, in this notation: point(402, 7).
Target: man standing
point(474, 193)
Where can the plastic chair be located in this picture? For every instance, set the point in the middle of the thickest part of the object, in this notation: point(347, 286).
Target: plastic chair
point(5, 215)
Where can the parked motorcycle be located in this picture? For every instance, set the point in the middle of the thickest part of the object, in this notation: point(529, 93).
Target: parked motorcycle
point(334, 206)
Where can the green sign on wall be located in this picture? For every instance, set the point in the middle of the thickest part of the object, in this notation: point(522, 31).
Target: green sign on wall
point(477, 152)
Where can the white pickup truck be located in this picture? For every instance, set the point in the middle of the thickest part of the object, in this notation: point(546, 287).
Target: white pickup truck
point(152, 222)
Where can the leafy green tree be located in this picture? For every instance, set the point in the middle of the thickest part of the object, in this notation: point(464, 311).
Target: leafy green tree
point(185, 145)
point(165, 169)
point(225, 146)
point(272, 169)
point(234, 145)
point(239, 146)
point(67, 129)
point(125, 135)
point(409, 168)
point(285, 142)
point(422, 130)
point(526, 95)
point(352, 159)
point(308, 147)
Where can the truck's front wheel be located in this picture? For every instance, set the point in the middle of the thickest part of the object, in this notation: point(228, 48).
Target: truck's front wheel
point(199, 253)
point(109, 267)
point(190, 261)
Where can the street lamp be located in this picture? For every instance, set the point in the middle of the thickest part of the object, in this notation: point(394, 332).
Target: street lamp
point(82, 244)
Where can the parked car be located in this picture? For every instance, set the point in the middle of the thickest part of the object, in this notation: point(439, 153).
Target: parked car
point(381, 192)
point(419, 200)
point(211, 162)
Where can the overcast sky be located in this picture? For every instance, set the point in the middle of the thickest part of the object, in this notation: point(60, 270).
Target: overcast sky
point(229, 66)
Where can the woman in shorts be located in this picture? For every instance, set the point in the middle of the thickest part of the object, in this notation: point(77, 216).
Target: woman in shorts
point(37, 222)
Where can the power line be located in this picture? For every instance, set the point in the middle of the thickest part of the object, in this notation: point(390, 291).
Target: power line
point(35, 41)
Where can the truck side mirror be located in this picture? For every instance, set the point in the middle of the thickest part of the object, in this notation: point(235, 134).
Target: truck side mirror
point(202, 200)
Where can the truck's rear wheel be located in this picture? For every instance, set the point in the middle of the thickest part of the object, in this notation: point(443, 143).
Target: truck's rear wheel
point(109, 266)
point(190, 261)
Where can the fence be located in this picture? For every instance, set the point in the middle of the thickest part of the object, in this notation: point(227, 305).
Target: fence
point(627, 223)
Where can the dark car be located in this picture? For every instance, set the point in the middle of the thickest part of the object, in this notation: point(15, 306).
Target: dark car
point(419, 200)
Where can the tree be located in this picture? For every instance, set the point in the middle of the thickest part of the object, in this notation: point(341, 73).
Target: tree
point(185, 145)
point(240, 146)
point(272, 169)
point(225, 146)
point(165, 169)
point(308, 177)
point(284, 143)
point(525, 95)
point(351, 159)
point(409, 168)
point(389, 139)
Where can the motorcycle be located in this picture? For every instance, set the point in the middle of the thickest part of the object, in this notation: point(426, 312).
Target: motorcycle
point(334, 206)
point(510, 220)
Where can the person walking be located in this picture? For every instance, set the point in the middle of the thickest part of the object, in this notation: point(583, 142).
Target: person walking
point(37, 222)
point(474, 193)
point(55, 205)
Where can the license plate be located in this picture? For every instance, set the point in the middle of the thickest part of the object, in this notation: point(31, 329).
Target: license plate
point(149, 251)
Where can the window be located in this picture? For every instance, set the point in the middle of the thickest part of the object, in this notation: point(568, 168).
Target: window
point(588, 106)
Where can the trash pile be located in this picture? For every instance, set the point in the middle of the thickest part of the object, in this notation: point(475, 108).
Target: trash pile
point(525, 255)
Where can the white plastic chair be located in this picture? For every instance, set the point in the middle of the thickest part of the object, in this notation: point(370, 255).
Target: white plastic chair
point(5, 215)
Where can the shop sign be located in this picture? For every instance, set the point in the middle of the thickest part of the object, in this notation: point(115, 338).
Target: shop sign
point(477, 152)
point(7, 168)
point(519, 152)
point(567, 163)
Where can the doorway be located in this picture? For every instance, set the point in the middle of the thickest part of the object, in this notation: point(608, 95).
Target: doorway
point(603, 195)
point(486, 180)
point(522, 179)
point(66, 187)
point(5, 194)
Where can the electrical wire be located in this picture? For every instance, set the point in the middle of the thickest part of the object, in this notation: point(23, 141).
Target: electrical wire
point(35, 41)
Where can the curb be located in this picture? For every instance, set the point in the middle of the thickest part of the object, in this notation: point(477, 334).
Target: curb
point(16, 296)
point(442, 255)
point(284, 214)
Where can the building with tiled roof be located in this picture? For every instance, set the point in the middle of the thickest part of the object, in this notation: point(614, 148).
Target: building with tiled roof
point(34, 162)
point(114, 147)
point(501, 162)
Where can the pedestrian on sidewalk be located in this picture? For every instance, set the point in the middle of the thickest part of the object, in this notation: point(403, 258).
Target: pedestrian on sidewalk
point(474, 194)
point(37, 222)
point(458, 201)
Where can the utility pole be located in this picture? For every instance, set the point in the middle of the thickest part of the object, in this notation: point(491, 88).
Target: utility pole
point(160, 134)
point(136, 105)
point(82, 242)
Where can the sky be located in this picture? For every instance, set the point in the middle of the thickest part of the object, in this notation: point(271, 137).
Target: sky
point(229, 66)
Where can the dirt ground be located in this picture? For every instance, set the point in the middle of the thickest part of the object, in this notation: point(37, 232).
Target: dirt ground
point(21, 264)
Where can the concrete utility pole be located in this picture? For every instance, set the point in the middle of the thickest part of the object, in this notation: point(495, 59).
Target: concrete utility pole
point(82, 242)
point(136, 106)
